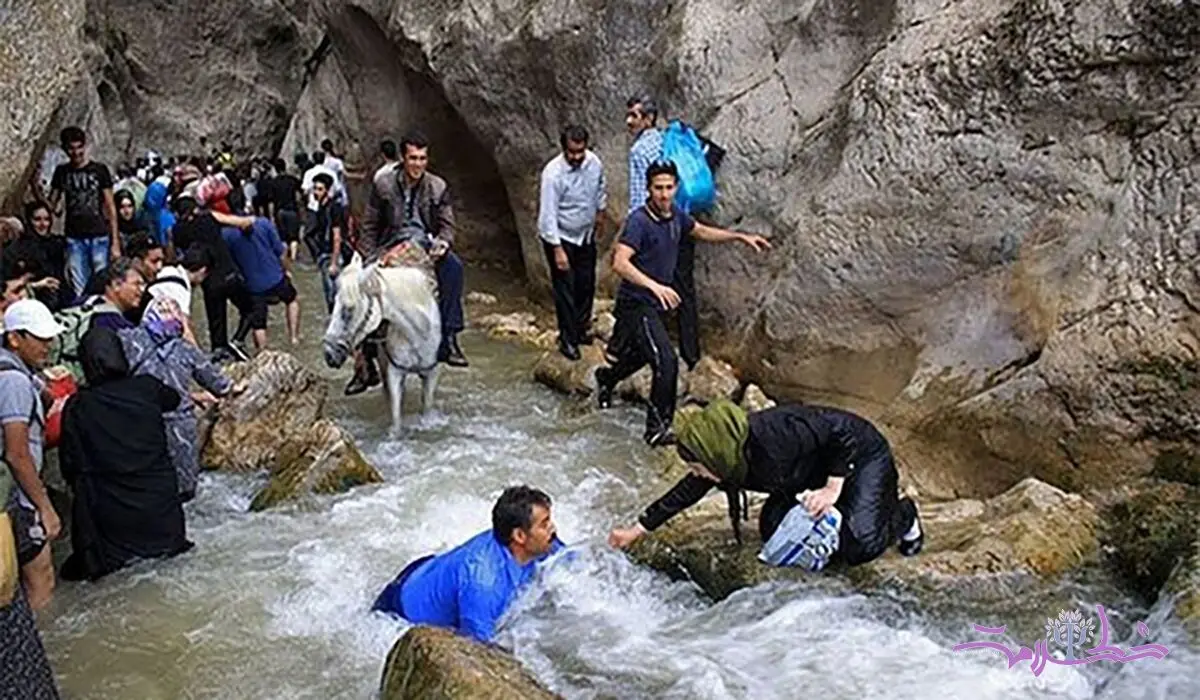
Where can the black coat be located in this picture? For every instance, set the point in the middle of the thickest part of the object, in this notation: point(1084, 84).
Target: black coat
point(114, 455)
point(790, 449)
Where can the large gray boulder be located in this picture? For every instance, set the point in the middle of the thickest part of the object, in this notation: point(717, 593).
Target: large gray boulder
point(41, 62)
point(979, 210)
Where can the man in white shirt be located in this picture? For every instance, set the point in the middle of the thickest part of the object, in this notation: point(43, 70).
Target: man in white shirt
point(573, 201)
point(336, 166)
point(306, 182)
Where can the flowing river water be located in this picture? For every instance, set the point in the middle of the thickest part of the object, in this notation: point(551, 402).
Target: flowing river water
point(274, 605)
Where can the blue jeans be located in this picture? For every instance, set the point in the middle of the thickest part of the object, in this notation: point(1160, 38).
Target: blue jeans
point(450, 294)
point(328, 284)
point(85, 257)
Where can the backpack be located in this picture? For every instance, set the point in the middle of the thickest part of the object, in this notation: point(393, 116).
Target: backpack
point(75, 320)
point(697, 189)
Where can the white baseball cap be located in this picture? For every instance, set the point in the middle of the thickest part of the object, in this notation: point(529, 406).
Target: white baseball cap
point(31, 316)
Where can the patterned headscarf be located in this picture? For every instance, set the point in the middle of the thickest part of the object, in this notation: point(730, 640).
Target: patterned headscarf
point(163, 320)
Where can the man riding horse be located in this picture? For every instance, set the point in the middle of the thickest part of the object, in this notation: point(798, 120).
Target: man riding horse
point(412, 208)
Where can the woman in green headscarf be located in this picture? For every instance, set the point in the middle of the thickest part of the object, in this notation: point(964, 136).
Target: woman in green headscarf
point(814, 456)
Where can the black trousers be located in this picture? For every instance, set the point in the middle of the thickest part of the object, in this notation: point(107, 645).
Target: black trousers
point(639, 339)
point(218, 293)
point(573, 290)
point(688, 315)
point(872, 515)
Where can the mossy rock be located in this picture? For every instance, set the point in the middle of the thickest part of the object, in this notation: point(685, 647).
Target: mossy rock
point(1177, 465)
point(1020, 541)
point(281, 401)
point(1147, 533)
point(428, 662)
point(326, 462)
point(1184, 586)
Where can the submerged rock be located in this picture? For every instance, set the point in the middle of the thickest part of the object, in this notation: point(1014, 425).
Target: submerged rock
point(983, 549)
point(324, 461)
point(520, 325)
point(429, 662)
point(275, 424)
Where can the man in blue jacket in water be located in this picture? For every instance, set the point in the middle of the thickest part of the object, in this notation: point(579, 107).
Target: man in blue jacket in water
point(469, 588)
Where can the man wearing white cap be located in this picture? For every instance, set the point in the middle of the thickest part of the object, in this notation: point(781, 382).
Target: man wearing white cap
point(29, 328)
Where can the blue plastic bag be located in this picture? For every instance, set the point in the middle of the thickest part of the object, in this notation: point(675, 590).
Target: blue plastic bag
point(802, 541)
point(697, 189)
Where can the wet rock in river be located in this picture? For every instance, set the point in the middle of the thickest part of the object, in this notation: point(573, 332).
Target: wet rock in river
point(1032, 532)
point(521, 325)
point(603, 325)
point(1184, 586)
point(712, 379)
point(429, 662)
point(578, 377)
point(275, 425)
point(637, 387)
point(323, 461)
point(1150, 535)
point(281, 401)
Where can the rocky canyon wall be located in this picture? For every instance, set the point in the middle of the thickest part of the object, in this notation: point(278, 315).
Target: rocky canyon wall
point(984, 211)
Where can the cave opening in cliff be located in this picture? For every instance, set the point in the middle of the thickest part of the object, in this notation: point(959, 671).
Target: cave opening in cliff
point(368, 88)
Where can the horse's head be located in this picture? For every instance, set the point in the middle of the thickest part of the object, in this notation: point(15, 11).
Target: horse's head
point(357, 311)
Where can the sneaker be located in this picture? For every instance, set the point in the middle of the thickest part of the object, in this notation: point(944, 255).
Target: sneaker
point(238, 352)
point(912, 547)
point(604, 390)
point(661, 437)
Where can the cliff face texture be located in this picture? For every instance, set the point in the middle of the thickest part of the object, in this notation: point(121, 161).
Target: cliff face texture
point(984, 211)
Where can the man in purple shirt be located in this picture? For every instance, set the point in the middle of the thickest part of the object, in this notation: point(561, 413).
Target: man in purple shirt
point(123, 288)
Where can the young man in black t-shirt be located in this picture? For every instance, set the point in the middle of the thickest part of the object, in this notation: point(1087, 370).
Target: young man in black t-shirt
point(282, 198)
point(325, 237)
point(91, 216)
point(645, 259)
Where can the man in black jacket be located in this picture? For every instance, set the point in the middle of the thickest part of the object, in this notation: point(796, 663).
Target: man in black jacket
point(197, 233)
point(814, 456)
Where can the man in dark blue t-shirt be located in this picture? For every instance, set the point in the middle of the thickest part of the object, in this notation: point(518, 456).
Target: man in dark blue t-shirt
point(255, 246)
point(645, 260)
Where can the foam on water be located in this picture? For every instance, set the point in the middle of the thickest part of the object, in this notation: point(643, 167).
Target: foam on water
point(275, 604)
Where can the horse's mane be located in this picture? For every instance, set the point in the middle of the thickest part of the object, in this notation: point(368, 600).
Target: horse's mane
point(407, 286)
point(350, 287)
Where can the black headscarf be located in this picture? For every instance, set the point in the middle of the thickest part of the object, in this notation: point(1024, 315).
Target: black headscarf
point(102, 356)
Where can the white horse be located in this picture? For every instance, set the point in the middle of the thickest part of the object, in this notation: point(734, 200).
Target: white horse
point(405, 298)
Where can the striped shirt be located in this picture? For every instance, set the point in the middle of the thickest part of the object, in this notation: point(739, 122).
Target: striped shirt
point(646, 149)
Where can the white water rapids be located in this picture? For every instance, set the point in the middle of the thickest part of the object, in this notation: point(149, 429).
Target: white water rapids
point(274, 605)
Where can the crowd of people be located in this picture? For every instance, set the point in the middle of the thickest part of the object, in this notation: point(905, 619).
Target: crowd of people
point(108, 304)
